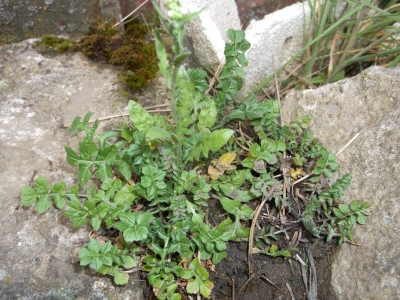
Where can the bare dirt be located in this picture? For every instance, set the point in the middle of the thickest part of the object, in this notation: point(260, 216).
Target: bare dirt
point(232, 274)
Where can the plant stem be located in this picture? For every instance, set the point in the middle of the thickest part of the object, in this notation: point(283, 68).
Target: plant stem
point(175, 117)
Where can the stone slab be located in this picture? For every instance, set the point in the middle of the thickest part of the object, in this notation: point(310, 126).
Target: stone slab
point(369, 105)
point(37, 94)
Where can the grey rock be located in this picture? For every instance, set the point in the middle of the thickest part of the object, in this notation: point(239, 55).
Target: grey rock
point(37, 94)
point(368, 104)
point(30, 18)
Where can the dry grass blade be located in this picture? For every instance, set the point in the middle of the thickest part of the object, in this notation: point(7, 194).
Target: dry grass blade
point(290, 291)
point(348, 144)
point(273, 284)
point(362, 35)
point(245, 284)
point(130, 14)
point(215, 78)
point(311, 281)
point(253, 225)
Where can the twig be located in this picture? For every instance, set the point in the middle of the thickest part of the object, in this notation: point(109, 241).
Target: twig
point(253, 224)
point(241, 146)
point(301, 78)
point(273, 284)
point(145, 22)
point(345, 146)
point(155, 106)
point(133, 270)
point(244, 135)
point(301, 179)
point(215, 77)
point(32, 178)
point(332, 53)
point(158, 111)
point(148, 108)
point(244, 285)
point(290, 291)
point(300, 260)
point(135, 10)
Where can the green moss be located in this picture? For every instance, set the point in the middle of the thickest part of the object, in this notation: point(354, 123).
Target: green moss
point(130, 49)
point(57, 43)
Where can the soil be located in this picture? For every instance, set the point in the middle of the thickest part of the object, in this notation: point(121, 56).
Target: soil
point(270, 276)
point(232, 274)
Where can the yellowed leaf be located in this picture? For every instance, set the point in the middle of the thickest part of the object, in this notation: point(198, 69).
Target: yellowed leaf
point(214, 173)
point(224, 162)
point(151, 146)
point(221, 165)
point(296, 173)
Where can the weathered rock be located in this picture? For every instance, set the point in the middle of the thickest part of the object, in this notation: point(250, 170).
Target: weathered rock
point(37, 94)
point(368, 104)
point(23, 19)
point(274, 40)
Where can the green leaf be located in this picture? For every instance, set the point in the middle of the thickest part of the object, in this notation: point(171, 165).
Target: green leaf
point(108, 153)
point(219, 256)
point(140, 118)
point(85, 172)
point(235, 36)
point(88, 149)
point(234, 193)
point(128, 262)
point(163, 58)
point(124, 169)
point(121, 278)
point(355, 205)
point(72, 157)
point(42, 185)
point(155, 132)
point(134, 225)
point(178, 59)
point(58, 194)
point(361, 219)
point(43, 204)
point(198, 77)
point(337, 213)
point(200, 283)
point(246, 213)
point(230, 205)
point(28, 196)
point(188, 17)
point(208, 115)
point(213, 141)
point(95, 222)
point(125, 196)
point(239, 230)
point(344, 209)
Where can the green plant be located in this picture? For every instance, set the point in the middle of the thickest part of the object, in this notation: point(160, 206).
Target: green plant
point(273, 251)
point(155, 176)
point(344, 37)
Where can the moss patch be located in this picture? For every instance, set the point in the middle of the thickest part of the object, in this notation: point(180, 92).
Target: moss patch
point(131, 50)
